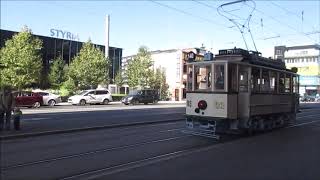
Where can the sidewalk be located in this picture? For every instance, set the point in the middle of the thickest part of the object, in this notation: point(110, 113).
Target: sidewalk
point(118, 102)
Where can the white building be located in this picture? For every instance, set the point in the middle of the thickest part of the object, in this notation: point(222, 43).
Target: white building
point(307, 60)
point(173, 61)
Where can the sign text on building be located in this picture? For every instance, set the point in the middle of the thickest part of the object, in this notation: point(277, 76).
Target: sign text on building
point(63, 34)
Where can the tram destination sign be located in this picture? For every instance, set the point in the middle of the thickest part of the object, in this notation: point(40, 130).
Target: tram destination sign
point(235, 51)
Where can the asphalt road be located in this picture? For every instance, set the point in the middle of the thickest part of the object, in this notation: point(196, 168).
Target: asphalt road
point(162, 151)
point(71, 117)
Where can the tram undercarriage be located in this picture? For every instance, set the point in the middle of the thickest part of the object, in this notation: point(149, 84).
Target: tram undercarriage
point(213, 127)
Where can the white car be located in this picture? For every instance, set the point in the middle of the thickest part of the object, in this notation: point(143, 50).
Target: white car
point(49, 99)
point(91, 97)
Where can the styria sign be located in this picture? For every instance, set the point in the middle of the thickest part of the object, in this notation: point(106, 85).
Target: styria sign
point(63, 34)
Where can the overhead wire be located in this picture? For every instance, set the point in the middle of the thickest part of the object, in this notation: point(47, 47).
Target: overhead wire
point(298, 16)
point(284, 24)
point(189, 14)
point(277, 35)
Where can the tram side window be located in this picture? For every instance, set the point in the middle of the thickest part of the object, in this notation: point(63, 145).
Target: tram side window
point(295, 84)
point(243, 81)
point(232, 70)
point(219, 77)
point(265, 81)
point(203, 78)
point(255, 80)
point(273, 81)
point(281, 83)
point(189, 78)
point(288, 83)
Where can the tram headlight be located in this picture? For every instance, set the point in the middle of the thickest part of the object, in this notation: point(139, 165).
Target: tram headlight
point(202, 105)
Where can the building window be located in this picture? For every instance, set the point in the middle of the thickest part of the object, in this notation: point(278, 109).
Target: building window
point(278, 52)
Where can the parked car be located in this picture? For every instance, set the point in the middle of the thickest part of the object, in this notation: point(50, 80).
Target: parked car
point(308, 98)
point(91, 97)
point(141, 96)
point(28, 99)
point(49, 99)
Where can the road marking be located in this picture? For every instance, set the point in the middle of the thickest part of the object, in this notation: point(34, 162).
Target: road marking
point(302, 124)
point(311, 115)
point(35, 119)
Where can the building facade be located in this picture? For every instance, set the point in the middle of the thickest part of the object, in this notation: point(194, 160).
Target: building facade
point(173, 62)
point(307, 60)
point(67, 49)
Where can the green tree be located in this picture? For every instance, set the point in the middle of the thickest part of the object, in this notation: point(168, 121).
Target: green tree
point(158, 81)
point(118, 80)
point(57, 73)
point(89, 67)
point(140, 69)
point(21, 60)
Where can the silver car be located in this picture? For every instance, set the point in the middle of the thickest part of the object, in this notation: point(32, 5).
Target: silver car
point(49, 99)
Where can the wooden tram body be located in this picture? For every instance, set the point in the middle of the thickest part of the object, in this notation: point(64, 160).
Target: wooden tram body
point(239, 91)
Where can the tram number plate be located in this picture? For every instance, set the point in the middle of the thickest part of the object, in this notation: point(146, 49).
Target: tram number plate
point(219, 105)
point(189, 104)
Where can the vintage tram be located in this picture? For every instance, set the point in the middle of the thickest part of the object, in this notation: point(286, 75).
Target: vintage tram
point(239, 91)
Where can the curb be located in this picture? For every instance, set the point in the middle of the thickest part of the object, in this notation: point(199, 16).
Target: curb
point(45, 133)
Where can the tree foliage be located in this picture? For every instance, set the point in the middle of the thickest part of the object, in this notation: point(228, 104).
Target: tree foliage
point(140, 69)
point(21, 60)
point(89, 67)
point(57, 73)
point(118, 80)
point(158, 81)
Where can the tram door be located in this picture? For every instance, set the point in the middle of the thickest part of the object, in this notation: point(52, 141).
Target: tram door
point(243, 92)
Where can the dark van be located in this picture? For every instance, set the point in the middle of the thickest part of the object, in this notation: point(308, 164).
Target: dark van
point(141, 96)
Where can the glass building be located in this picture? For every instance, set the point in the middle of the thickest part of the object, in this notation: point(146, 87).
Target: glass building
point(54, 47)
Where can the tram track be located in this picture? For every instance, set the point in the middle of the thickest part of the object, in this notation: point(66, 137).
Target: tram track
point(90, 128)
point(124, 166)
point(139, 163)
point(97, 151)
point(155, 159)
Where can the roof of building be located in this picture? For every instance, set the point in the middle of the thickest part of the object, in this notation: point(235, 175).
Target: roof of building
point(3, 31)
point(314, 46)
point(163, 51)
point(154, 52)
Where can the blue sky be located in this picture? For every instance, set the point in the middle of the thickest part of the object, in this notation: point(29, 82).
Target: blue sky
point(136, 23)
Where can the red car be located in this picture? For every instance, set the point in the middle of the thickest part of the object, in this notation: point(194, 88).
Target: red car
point(28, 99)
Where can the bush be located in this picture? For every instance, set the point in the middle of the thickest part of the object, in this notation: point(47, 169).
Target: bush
point(118, 97)
point(68, 88)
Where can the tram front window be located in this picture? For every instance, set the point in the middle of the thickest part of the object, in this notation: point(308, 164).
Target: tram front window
point(202, 77)
point(219, 77)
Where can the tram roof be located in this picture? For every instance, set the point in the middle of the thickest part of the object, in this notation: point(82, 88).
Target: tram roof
point(250, 57)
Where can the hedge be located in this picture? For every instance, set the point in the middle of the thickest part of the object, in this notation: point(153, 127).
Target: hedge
point(118, 97)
